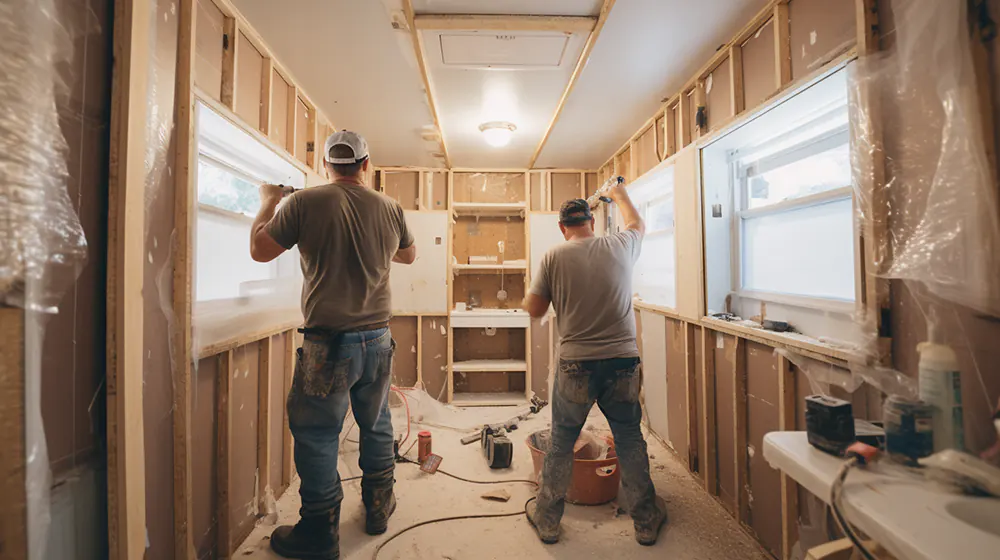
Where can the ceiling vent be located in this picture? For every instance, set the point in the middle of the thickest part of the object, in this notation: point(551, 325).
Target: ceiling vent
point(503, 50)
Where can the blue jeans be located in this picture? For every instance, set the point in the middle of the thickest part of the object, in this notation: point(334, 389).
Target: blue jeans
point(614, 385)
point(331, 375)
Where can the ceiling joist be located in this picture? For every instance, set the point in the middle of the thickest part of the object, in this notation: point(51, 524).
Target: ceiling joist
point(418, 48)
point(580, 64)
point(475, 22)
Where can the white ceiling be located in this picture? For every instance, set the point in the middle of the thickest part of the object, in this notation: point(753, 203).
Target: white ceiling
point(647, 51)
point(363, 74)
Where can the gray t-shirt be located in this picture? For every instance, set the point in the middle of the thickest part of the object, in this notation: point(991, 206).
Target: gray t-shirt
point(347, 235)
point(590, 284)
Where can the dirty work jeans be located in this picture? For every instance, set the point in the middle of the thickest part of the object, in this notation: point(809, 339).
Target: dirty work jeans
point(329, 377)
point(614, 385)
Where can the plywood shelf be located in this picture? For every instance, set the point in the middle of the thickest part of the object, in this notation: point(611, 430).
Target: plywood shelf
point(490, 208)
point(485, 318)
point(499, 366)
point(499, 267)
point(488, 399)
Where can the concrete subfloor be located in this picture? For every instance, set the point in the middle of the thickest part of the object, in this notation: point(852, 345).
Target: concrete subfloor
point(698, 527)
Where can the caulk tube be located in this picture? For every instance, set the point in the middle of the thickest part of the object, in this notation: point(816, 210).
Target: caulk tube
point(941, 388)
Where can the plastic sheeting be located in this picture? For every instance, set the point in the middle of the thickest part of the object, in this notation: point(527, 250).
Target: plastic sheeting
point(42, 244)
point(939, 200)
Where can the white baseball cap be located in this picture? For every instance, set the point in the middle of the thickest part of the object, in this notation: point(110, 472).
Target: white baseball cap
point(352, 140)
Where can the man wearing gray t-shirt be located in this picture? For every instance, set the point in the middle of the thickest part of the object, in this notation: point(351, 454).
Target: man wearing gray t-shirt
point(588, 281)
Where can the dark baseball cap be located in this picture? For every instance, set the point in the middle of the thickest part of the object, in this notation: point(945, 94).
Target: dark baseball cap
point(574, 212)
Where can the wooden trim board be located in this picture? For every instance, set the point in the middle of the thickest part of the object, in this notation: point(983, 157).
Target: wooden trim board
point(126, 258)
point(418, 49)
point(264, 374)
point(580, 64)
point(224, 455)
point(482, 22)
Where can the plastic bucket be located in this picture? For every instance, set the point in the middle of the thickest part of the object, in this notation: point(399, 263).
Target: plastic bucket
point(594, 481)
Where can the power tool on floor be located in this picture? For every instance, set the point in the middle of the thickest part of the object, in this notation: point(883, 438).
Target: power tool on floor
point(497, 447)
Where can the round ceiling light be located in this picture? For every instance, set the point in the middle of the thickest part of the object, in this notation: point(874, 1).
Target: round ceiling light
point(497, 133)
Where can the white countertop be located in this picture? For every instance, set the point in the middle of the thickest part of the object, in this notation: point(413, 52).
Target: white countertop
point(912, 518)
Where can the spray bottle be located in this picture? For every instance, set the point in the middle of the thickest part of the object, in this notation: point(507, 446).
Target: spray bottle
point(941, 388)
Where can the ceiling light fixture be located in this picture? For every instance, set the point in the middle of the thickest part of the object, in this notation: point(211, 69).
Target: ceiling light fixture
point(497, 133)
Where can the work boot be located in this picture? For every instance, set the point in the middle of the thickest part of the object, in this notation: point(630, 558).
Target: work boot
point(646, 533)
point(312, 538)
point(380, 502)
point(548, 535)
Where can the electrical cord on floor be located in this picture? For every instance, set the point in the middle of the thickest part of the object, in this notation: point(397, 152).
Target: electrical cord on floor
point(835, 492)
point(524, 511)
point(402, 459)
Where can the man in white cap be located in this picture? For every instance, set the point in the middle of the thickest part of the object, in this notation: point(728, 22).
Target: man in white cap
point(347, 236)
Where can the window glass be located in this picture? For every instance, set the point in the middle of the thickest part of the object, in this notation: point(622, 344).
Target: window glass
point(222, 188)
point(813, 169)
point(807, 251)
point(654, 275)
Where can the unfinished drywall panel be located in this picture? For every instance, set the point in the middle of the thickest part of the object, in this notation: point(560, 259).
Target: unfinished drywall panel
point(645, 152)
point(565, 186)
point(759, 79)
point(208, 49)
point(661, 137)
point(535, 189)
point(484, 289)
point(303, 131)
point(725, 364)
point(421, 287)
point(718, 92)
point(485, 235)
point(204, 454)
point(439, 190)
point(404, 361)
point(697, 413)
point(403, 187)
point(691, 115)
point(676, 386)
point(281, 93)
point(243, 435)
point(157, 376)
point(489, 344)
point(763, 398)
point(674, 133)
point(545, 234)
point(485, 383)
point(819, 31)
point(654, 371)
point(688, 235)
point(279, 369)
point(590, 184)
point(489, 187)
point(249, 73)
point(434, 356)
point(541, 357)
point(627, 165)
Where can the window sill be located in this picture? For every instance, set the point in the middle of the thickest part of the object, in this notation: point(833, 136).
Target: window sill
point(842, 307)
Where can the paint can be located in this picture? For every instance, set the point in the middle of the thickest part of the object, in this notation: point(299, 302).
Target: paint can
point(423, 446)
point(909, 432)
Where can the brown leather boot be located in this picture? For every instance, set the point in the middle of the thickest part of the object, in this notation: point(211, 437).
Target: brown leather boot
point(380, 502)
point(312, 538)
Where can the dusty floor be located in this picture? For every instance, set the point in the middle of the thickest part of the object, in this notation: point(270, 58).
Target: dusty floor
point(698, 527)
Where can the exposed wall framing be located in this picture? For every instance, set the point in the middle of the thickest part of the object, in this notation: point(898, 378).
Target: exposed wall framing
point(760, 65)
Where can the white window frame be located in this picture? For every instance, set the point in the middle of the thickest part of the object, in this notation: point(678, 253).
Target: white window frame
point(740, 163)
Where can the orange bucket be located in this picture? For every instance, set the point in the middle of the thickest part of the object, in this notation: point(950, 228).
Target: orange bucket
point(594, 481)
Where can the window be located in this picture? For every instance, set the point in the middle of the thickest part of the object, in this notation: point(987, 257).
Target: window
point(794, 214)
point(231, 166)
point(778, 216)
point(654, 275)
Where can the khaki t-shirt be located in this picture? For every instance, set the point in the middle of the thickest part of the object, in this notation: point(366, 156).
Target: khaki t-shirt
point(590, 284)
point(347, 235)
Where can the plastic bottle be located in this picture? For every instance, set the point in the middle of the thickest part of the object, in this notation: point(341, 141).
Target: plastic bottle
point(941, 388)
